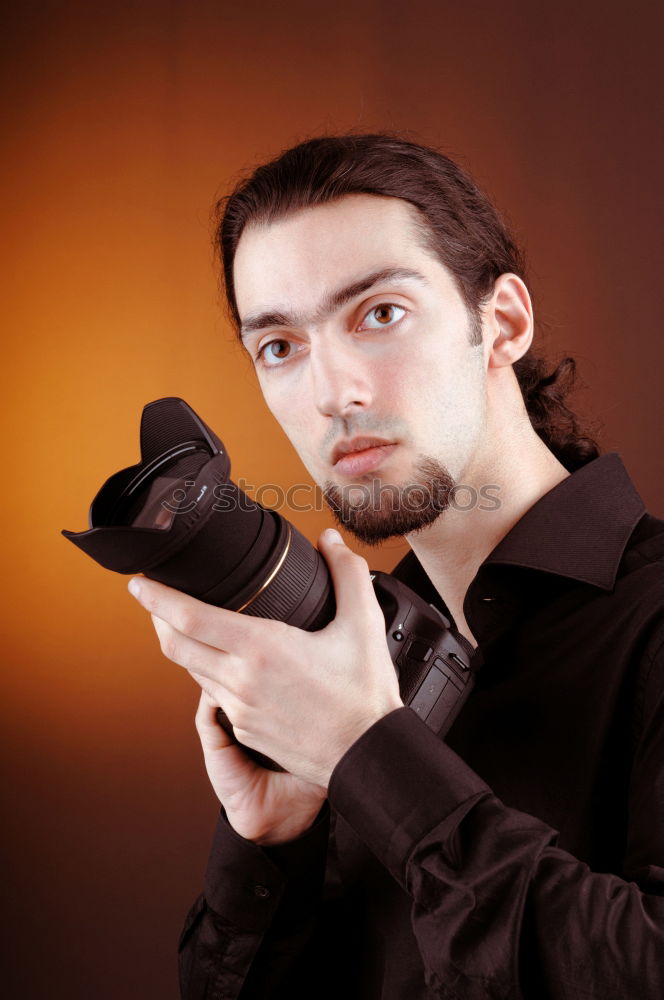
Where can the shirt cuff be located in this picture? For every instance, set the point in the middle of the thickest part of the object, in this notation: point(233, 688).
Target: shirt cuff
point(397, 782)
point(246, 884)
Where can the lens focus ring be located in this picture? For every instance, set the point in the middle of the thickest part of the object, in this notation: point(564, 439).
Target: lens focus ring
point(290, 583)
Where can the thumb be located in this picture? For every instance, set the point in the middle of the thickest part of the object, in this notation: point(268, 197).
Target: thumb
point(353, 589)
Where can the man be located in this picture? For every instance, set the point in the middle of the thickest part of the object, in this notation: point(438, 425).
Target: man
point(385, 308)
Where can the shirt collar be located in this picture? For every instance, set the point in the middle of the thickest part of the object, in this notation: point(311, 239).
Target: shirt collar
point(580, 528)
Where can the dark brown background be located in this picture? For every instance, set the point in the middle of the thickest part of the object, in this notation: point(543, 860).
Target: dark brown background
point(121, 123)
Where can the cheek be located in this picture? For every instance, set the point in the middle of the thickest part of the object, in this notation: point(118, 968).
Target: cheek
point(395, 379)
point(293, 412)
point(449, 392)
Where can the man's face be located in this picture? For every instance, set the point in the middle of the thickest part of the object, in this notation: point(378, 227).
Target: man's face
point(357, 331)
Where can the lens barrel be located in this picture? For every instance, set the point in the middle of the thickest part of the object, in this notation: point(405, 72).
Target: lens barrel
point(178, 518)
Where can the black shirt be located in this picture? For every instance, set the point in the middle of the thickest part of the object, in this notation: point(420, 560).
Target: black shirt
point(524, 856)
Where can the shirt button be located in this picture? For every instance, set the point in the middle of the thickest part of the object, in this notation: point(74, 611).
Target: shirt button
point(261, 891)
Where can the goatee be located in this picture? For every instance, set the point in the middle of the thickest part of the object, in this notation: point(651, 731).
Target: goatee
point(376, 511)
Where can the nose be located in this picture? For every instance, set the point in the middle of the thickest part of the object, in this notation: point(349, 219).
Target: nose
point(340, 377)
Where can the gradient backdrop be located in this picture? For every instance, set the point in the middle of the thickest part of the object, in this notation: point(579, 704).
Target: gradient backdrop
point(122, 122)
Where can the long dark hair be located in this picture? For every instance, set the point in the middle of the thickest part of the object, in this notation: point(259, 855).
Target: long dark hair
point(458, 223)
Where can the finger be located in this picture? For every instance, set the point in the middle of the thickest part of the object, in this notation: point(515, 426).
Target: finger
point(351, 577)
point(216, 627)
point(195, 656)
point(219, 746)
point(211, 734)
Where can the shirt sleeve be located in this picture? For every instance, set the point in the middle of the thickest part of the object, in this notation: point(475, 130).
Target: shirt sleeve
point(498, 909)
point(255, 900)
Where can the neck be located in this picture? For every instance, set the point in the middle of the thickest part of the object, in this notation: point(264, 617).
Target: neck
point(452, 549)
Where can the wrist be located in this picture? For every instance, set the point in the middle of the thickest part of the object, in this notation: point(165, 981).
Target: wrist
point(353, 734)
point(292, 830)
point(285, 833)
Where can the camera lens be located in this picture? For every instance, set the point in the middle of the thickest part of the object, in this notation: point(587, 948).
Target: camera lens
point(178, 518)
point(153, 498)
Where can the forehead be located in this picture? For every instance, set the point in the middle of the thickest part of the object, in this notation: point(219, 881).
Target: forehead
point(312, 249)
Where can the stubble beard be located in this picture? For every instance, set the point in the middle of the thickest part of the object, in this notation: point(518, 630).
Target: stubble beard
point(374, 512)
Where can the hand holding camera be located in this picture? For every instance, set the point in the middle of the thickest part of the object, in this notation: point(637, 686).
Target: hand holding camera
point(300, 698)
point(299, 683)
point(263, 805)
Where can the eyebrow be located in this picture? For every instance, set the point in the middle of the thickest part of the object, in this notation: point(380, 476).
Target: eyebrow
point(331, 302)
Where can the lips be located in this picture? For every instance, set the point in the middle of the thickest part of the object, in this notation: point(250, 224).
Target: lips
point(361, 455)
point(357, 444)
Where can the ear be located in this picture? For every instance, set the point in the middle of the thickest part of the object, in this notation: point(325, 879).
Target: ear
point(508, 321)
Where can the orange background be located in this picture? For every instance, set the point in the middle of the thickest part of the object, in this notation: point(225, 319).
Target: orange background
point(121, 124)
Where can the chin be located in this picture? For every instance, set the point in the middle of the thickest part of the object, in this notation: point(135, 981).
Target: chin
point(376, 513)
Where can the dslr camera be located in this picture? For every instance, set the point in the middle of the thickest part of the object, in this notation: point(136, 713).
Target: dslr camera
point(178, 518)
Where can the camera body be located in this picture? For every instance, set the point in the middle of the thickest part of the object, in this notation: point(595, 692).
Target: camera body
point(177, 517)
point(432, 661)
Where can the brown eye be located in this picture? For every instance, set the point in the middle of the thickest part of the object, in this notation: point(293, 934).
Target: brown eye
point(270, 356)
point(277, 354)
point(385, 314)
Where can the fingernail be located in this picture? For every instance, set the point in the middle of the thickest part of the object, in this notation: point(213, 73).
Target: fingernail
point(134, 587)
point(334, 536)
